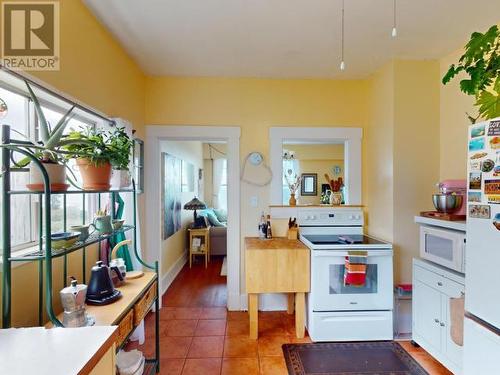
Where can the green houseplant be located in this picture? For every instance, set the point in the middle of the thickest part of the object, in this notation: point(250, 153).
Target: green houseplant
point(90, 148)
point(481, 63)
point(48, 149)
point(120, 146)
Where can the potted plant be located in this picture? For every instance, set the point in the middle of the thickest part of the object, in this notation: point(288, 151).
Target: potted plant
point(120, 145)
point(481, 62)
point(47, 150)
point(90, 147)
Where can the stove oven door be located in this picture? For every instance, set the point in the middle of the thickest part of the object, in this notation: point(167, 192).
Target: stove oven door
point(329, 293)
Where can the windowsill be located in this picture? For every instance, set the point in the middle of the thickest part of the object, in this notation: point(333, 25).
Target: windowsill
point(21, 252)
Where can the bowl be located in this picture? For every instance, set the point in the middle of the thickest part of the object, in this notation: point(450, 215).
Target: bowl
point(117, 223)
point(447, 203)
point(62, 240)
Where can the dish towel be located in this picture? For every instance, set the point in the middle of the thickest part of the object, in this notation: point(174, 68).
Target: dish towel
point(355, 268)
point(457, 311)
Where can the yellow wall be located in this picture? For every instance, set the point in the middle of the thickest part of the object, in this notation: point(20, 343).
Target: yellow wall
point(453, 122)
point(96, 71)
point(255, 105)
point(378, 154)
point(416, 154)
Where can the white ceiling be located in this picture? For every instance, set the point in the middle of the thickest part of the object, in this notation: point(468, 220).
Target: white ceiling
point(287, 38)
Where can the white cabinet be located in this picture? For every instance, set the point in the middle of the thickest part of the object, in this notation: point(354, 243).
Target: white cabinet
point(433, 286)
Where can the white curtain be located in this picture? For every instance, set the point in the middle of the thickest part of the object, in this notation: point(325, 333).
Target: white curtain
point(218, 174)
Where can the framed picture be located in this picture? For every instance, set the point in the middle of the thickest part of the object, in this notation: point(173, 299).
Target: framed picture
point(171, 195)
point(309, 184)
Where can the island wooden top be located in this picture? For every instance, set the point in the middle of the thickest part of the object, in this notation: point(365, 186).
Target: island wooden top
point(277, 243)
point(111, 314)
point(53, 351)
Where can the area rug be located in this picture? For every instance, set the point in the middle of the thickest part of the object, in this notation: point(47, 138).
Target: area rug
point(223, 269)
point(360, 358)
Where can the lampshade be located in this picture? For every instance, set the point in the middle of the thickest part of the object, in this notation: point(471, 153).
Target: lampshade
point(195, 204)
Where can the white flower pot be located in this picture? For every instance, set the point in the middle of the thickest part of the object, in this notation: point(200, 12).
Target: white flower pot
point(120, 179)
point(57, 177)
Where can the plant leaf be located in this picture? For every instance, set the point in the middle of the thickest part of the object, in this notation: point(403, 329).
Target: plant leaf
point(489, 105)
point(44, 126)
point(58, 131)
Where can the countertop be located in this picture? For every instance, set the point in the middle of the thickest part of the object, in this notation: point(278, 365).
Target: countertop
point(276, 243)
point(59, 351)
point(455, 225)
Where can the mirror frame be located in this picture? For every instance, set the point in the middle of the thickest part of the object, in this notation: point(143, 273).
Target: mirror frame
point(303, 191)
point(350, 137)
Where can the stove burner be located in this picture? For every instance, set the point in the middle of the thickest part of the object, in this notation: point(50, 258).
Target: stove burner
point(351, 239)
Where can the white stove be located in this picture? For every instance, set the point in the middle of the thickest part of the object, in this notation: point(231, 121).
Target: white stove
point(339, 312)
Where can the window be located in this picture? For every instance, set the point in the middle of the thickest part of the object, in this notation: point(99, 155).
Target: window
point(293, 165)
point(222, 195)
point(24, 207)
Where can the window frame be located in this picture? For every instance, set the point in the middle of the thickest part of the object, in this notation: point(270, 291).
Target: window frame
point(32, 133)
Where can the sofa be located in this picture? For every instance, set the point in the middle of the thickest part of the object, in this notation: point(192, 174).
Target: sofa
point(217, 222)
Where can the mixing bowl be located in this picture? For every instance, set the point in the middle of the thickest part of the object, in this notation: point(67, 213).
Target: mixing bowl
point(447, 203)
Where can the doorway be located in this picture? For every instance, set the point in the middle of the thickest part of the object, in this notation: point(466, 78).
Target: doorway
point(229, 136)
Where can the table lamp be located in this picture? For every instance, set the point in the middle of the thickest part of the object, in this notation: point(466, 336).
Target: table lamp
point(196, 204)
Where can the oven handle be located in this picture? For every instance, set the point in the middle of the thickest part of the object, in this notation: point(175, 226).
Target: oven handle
point(335, 253)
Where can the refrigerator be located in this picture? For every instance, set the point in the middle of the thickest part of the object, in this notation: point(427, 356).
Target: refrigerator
point(482, 264)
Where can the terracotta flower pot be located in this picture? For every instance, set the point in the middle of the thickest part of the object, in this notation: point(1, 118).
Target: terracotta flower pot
point(57, 177)
point(94, 177)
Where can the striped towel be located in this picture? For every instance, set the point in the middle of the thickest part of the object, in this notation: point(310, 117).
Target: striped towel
point(355, 268)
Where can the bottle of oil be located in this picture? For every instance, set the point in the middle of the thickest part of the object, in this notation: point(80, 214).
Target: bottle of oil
point(262, 226)
point(269, 233)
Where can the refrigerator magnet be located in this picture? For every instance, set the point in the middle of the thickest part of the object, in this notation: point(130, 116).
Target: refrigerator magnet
point(475, 165)
point(476, 144)
point(478, 155)
point(496, 221)
point(475, 181)
point(487, 165)
point(477, 131)
point(475, 196)
point(479, 211)
point(492, 187)
point(496, 171)
point(494, 143)
point(494, 128)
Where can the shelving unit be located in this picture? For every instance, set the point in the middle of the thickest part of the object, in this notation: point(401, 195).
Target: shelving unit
point(44, 255)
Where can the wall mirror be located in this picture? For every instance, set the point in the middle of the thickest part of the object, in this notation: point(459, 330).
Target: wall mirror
point(327, 159)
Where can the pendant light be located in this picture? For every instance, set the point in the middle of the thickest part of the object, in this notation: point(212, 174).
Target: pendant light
point(394, 30)
point(342, 62)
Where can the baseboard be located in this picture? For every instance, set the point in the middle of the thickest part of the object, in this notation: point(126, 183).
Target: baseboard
point(172, 273)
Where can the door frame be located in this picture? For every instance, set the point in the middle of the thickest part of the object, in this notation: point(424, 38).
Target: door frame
point(230, 134)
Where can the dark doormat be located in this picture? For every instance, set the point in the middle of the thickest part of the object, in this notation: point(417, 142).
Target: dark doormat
point(360, 358)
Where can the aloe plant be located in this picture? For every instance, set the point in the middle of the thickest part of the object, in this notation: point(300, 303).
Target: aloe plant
point(51, 139)
point(481, 62)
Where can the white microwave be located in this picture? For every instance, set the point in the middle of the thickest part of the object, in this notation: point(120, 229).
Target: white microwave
point(445, 247)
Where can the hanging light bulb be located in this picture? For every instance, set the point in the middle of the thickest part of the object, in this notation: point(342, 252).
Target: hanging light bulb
point(394, 32)
point(342, 62)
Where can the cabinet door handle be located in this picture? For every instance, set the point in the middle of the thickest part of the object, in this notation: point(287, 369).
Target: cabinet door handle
point(436, 320)
point(440, 283)
point(441, 324)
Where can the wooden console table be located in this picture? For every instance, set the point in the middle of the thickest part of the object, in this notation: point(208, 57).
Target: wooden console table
point(277, 265)
point(138, 295)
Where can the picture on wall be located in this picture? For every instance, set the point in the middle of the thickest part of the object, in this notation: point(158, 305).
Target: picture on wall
point(171, 194)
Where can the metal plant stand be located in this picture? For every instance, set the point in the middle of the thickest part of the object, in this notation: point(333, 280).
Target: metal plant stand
point(44, 255)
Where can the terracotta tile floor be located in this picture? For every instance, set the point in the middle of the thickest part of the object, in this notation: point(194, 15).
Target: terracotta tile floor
point(204, 339)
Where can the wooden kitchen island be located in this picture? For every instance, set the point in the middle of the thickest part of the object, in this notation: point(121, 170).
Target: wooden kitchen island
point(277, 265)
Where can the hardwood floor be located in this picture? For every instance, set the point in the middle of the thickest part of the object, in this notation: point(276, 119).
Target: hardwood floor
point(199, 336)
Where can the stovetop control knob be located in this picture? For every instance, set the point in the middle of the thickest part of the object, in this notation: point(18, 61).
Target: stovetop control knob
point(351, 217)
